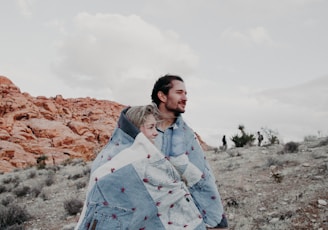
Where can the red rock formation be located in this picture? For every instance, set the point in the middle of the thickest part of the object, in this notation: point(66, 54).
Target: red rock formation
point(56, 127)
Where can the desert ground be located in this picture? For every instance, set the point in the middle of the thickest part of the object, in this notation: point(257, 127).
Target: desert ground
point(262, 187)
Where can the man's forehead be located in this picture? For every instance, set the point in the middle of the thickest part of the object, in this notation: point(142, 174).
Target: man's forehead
point(178, 85)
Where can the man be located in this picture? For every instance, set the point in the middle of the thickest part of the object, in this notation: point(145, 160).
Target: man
point(259, 138)
point(178, 142)
point(224, 142)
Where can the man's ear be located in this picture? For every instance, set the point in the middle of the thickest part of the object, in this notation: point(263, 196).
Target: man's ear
point(161, 96)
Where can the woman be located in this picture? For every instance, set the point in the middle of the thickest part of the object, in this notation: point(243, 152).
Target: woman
point(137, 187)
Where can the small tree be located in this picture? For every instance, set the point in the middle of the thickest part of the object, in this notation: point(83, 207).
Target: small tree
point(41, 161)
point(271, 135)
point(244, 139)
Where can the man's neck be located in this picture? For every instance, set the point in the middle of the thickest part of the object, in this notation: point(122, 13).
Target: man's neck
point(165, 123)
point(166, 120)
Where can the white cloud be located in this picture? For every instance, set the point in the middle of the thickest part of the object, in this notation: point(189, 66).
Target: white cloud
point(105, 51)
point(25, 7)
point(244, 39)
point(311, 95)
point(57, 24)
point(260, 35)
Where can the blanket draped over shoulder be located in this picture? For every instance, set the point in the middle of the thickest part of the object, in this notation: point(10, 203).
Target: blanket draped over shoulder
point(134, 186)
point(181, 146)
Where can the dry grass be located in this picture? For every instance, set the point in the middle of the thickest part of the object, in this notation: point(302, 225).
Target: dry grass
point(261, 187)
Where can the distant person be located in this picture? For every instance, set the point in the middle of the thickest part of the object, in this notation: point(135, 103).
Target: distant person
point(259, 138)
point(178, 141)
point(133, 185)
point(224, 142)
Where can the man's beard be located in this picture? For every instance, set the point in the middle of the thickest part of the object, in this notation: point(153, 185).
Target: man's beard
point(176, 110)
point(177, 113)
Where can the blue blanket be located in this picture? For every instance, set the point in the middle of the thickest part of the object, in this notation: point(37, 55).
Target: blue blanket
point(138, 188)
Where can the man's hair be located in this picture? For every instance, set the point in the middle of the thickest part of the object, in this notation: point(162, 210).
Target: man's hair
point(138, 114)
point(163, 84)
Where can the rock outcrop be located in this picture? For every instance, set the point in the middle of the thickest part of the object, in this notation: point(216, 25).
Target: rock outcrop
point(55, 127)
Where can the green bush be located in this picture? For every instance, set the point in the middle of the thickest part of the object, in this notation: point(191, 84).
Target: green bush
point(22, 191)
point(7, 200)
point(12, 215)
point(73, 206)
point(244, 139)
point(50, 180)
point(271, 135)
point(291, 147)
point(41, 161)
point(3, 188)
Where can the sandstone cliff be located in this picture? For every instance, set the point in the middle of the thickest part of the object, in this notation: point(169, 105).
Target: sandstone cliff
point(56, 127)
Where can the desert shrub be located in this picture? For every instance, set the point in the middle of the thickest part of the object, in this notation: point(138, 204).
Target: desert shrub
point(66, 162)
point(73, 206)
point(50, 179)
point(75, 176)
point(310, 138)
point(35, 191)
point(44, 195)
point(86, 170)
point(323, 142)
point(73, 162)
point(31, 174)
point(17, 170)
point(41, 162)
point(53, 168)
point(3, 188)
point(7, 200)
point(7, 180)
point(12, 180)
point(77, 161)
point(16, 227)
point(244, 139)
point(232, 202)
point(22, 191)
point(291, 147)
point(272, 161)
point(81, 184)
point(271, 135)
point(16, 181)
point(241, 141)
point(12, 215)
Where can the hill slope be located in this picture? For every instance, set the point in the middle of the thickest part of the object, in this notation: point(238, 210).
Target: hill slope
point(261, 188)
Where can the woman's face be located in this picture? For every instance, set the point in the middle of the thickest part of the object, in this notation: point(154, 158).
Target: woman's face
point(149, 128)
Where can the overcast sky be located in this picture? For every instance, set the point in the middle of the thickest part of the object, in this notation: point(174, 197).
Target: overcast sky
point(259, 63)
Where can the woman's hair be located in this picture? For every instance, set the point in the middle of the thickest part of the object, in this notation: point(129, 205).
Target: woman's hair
point(138, 114)
point(163, 84)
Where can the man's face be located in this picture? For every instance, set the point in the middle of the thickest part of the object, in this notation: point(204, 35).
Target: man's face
point(176, 99)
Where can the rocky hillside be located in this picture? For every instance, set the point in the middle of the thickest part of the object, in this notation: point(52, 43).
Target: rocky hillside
point(57, 128)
